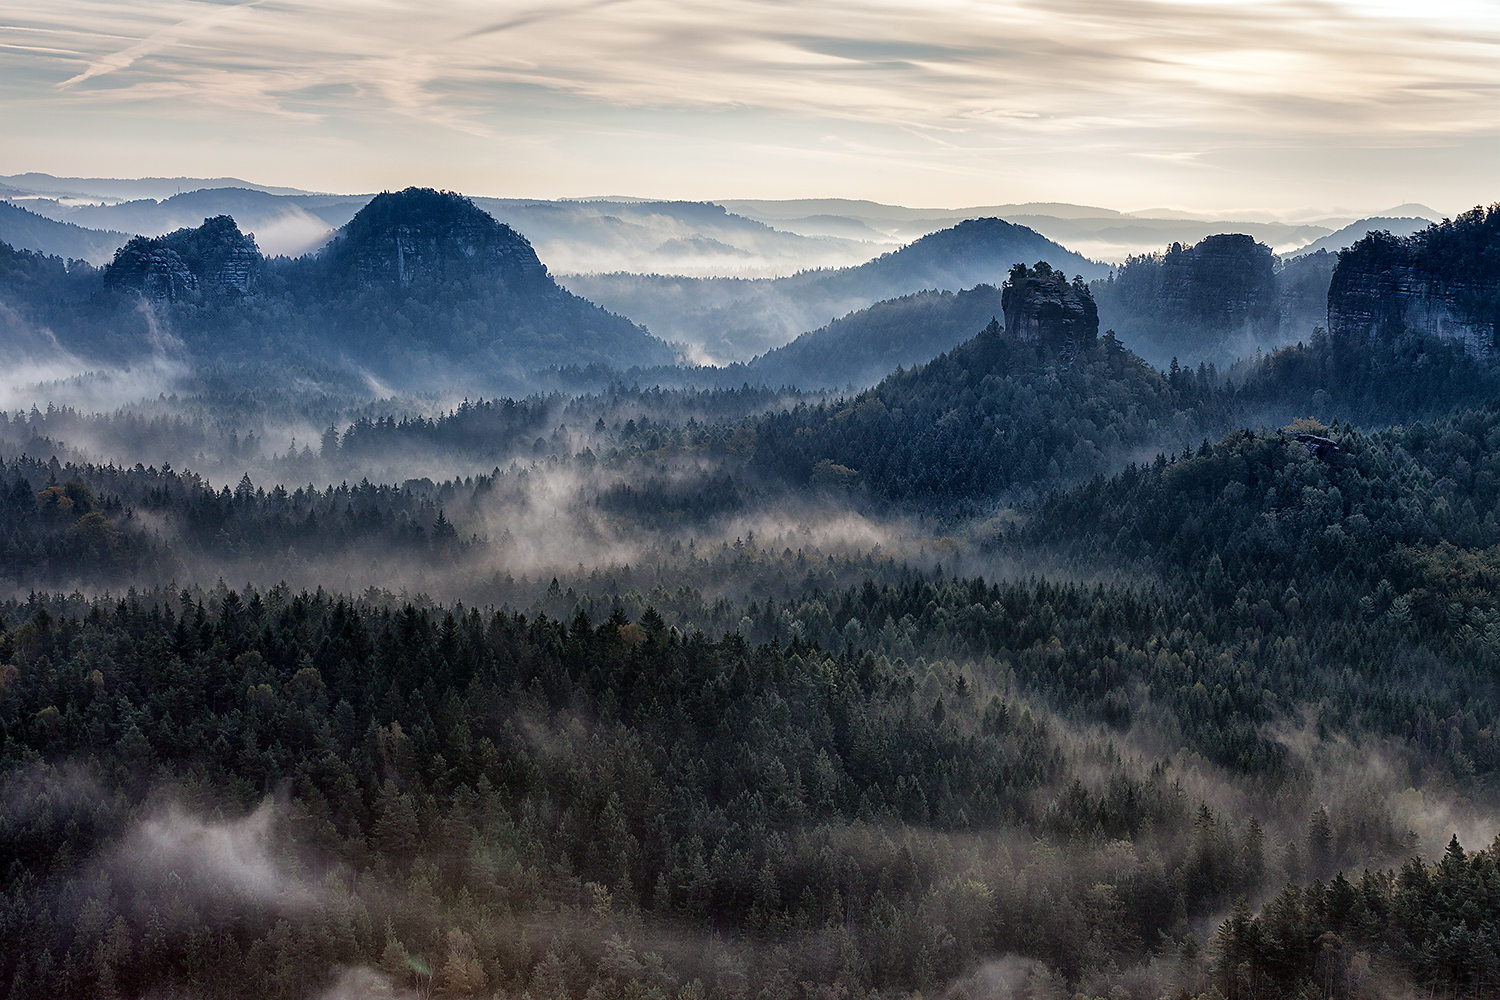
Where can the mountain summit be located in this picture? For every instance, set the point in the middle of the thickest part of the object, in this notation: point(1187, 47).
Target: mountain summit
point(421, 289)
point(215, 257)
point(420, 233)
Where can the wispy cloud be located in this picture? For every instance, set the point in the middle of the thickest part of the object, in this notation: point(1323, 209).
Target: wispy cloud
point(1078, 76)
point(160, 39)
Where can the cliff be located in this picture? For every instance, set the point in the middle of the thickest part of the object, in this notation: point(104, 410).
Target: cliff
point(1442, 282)
point(1215, 300)
point(1225, 283)
point(1041, 305)
point(215, 258)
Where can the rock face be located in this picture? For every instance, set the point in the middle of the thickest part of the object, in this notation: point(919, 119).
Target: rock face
point(419, 234)
point(216, 258)
point(1041, 305)
point(1442, 282)
point(1226, 282)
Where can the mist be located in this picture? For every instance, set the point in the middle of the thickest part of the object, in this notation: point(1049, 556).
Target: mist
point(394, 623)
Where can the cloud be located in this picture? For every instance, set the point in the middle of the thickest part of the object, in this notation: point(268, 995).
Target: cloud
point(163, 38)
point(1273, 67)
point(1115, 93)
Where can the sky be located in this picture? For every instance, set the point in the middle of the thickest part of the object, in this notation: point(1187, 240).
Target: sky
point(1282, 107)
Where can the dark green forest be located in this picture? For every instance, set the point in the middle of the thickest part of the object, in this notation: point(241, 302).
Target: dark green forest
point(1036, 670)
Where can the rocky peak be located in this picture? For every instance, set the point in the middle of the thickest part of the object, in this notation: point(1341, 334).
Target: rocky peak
point(1042, 305)
point(215, 258)
point(420, 233)
point(1225, 282)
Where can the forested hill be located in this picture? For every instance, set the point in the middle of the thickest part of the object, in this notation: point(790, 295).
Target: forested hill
point(973, 252)
point(1408, 517)
point(999, 414)
point(994, 414)
point(865, 346)
point(28, 231)
point(737, 319)
point(421, 288)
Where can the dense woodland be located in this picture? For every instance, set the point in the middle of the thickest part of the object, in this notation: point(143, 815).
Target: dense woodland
point(1036, 670)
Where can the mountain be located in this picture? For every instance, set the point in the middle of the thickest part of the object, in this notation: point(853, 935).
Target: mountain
point(424, 235)
point(421, 289)
point(126, 189)
point(1442, 282)
point(729, 319)
point(25, 230)
point(1352, 233)
point(863, 347)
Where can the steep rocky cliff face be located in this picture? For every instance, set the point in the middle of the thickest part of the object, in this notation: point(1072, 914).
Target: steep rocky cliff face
point(1224, 283)
point(1215, 301)
point(215, 258)
point(1041, 305)
point(1442, 282)
point(419, 233)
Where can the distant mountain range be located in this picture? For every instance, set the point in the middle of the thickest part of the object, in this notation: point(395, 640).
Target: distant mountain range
point(28, 231)
point(730, 238)
point(1354, 232)
point(689, 266)
point(730, 319)
point(127, 189)
point(1095, 232)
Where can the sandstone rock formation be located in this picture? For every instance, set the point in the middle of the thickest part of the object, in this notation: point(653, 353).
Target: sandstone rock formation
point(215, 258)
point(1442, 282)
point(419, 233)
point(1041, 305)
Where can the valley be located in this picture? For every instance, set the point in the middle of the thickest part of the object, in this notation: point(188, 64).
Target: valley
point(872, 602)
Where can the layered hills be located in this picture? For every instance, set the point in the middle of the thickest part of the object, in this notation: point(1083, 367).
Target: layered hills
point(418, 285)
point(25, 230)
point(734, 319)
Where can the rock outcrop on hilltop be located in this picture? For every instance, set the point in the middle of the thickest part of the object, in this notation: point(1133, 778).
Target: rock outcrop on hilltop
point(1225, 284)
point(1223, 298)
point(215, 258)
point(1042, 305)
point(418, 234)
point(420, 287)
point(1442, 282)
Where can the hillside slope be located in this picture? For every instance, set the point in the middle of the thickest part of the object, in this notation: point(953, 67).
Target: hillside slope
point(421, 289)
point(863, 347)
point(24, 230)
point(730, 319)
